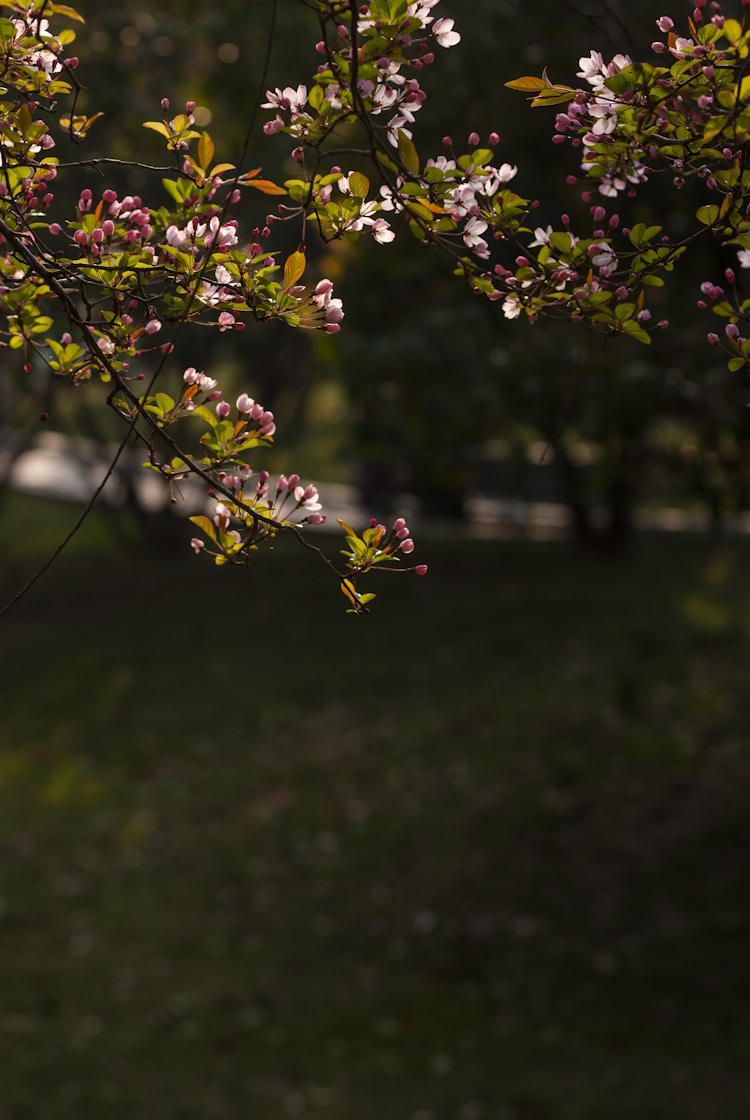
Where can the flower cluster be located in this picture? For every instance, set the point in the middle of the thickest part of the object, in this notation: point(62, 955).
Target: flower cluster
point(121, 272)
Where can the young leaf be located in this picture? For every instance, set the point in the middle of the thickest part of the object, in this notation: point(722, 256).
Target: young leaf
point(293, 269)
point(158, 126)
point(205, 150)
point(527, 85)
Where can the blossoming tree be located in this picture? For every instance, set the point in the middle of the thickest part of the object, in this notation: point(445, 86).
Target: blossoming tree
point(100, 293)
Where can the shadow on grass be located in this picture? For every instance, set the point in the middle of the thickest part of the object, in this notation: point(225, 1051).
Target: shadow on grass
point(480, 855)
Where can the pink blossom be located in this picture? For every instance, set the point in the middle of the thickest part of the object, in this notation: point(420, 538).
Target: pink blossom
point(307, 498)
point(287, 98)
point(511, 307)
point(443, 31)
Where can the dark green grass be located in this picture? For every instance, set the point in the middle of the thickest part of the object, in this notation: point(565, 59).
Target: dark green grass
point(481, 855)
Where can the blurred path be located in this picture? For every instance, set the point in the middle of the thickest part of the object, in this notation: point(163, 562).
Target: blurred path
point(60, 467)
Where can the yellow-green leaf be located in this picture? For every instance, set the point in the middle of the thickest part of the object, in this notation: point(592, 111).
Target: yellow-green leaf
point(157, 126)
point(64, 10)
point(359, 184)
point(206, 149)
point(527, 85)
point(293, 269)
point(553, 95)
point(707, 215)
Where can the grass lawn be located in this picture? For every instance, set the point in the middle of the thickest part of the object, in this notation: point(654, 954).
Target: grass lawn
point(480, 856)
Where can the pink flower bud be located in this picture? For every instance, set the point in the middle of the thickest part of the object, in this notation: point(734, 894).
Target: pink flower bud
point(223, 408)
point(197, 544)
point(55, 229)
point(421, 570)
point(406, 546)
point(473, 139)
point(165, 104)
point(152, 326)
point(244, 403)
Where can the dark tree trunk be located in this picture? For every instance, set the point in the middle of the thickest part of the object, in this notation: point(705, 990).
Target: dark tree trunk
point(615, 534)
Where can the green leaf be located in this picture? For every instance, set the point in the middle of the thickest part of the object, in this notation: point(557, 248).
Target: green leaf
point(707, 215)
point(632, 328)
point(359, 184)
point(553, 95)
point(388, 162)
point(316, 98)
point(408, 153)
